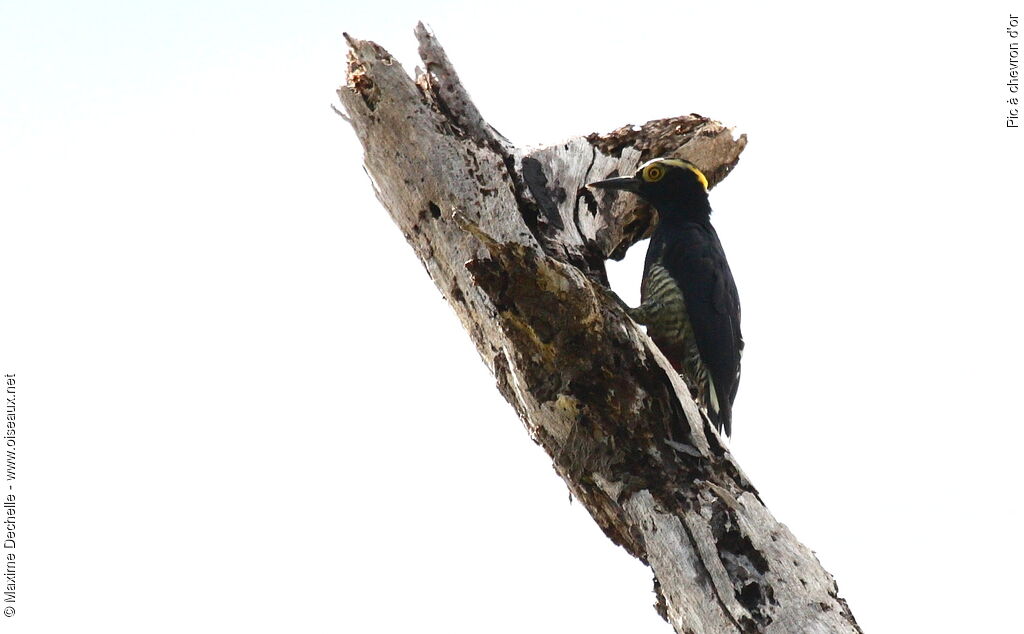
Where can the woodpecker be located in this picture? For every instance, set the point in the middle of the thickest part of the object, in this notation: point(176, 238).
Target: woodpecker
point(688, 299)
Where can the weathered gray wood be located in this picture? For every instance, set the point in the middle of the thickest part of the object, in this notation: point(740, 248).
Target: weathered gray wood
point(517, 245)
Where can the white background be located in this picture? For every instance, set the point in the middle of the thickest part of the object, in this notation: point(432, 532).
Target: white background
point(242, 405)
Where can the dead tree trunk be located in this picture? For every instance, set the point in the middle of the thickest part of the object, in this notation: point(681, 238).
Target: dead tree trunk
point(517, 245)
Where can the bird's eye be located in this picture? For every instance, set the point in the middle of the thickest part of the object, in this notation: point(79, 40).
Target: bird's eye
point(653, 173)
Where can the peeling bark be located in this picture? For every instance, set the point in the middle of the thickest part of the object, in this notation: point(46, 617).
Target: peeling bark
point(517, 244)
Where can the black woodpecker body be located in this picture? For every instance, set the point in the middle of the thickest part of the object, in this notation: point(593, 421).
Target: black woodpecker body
point(688, 299)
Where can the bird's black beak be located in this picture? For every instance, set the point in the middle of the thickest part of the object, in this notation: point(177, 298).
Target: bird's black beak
point(626, 183)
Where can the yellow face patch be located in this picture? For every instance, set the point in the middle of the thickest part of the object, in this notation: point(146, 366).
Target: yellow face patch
point(653, 171)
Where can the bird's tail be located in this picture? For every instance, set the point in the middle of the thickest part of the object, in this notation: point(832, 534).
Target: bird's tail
point(719, 409)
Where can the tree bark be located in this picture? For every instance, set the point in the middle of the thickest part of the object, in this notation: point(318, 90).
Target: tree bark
point(517, 244)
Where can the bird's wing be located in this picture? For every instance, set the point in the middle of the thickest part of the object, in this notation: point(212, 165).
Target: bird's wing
point(698, 264)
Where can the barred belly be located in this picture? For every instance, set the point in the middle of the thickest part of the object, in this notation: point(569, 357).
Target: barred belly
point(663, 310)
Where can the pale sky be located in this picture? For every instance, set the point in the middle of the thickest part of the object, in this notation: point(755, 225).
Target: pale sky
point(243, 406)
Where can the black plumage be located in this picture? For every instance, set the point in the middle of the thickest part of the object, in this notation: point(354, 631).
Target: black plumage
point(689, 301)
